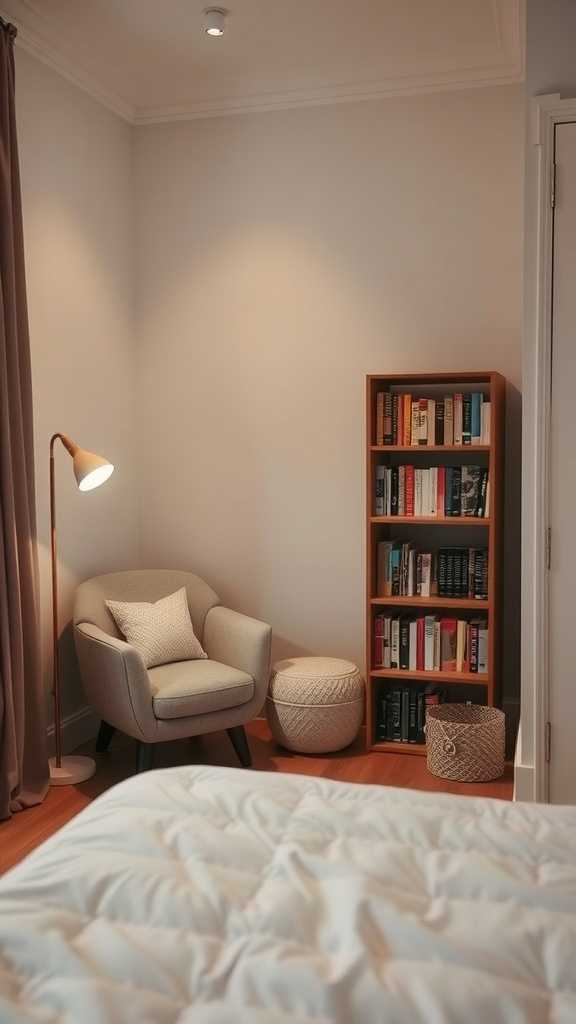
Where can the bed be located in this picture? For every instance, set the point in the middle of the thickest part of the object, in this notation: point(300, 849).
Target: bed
point(219, 896)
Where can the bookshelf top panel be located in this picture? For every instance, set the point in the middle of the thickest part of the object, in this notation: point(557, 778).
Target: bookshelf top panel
point(465, 377)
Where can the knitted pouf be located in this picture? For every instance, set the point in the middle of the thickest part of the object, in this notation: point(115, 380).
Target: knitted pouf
point(315, 705)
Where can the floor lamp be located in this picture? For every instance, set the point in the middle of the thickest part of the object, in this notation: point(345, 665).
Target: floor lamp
point(90, 470)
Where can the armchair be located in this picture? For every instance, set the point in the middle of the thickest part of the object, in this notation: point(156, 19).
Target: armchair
point(181, 699)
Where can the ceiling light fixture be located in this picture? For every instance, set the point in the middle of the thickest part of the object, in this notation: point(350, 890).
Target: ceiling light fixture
point(214, 21)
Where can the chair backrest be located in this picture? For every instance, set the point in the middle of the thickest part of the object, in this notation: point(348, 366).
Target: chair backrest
point(141, 585)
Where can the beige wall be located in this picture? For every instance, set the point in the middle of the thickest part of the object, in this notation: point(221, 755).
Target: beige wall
point(281, 257)
point(76, 163)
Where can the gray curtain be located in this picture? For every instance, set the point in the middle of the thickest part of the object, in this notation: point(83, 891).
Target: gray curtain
point(23, 756)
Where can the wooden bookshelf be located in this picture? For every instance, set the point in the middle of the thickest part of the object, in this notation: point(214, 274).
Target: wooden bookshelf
point(488, 532)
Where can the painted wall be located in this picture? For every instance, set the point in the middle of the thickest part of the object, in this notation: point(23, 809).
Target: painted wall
point(76, 163)
point(280, 258)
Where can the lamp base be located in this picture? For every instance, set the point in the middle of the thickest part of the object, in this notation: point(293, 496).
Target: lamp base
point(73, 769)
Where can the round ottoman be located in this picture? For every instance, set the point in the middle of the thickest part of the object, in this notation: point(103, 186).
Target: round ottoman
point(315, 705)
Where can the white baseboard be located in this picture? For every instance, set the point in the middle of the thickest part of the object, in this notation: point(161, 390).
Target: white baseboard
point(77, 728)
point(524, 782)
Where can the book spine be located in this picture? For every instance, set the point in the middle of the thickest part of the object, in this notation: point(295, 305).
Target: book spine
point(442, 573)
point(404, 643)
point(386, 661)
point(415, 424)
point(395, 644)
point(413, 646)
point(441, 492)
point(407, 438)
point(398, 436)
point(379, 503)
point(409, 490)
point(421, 735)
point(380, 417)
point(394, 492)
point(401, 490)
point(466, 419)
point(423, 421)
point(431, 426)
point(387, 438)
point(448, 474)
point(413, 716)
point(486, 407)
point(483, 649)
point(473, 635)
point(378, 640)
point(458, 419)
point(476, 418)
point(420, 644)
point(456, 491)
point(405, 715)
point(396, 716)
point(429, 630)
point(439, 423)
point(448, 420)
point(482, 490)
point(394, 430)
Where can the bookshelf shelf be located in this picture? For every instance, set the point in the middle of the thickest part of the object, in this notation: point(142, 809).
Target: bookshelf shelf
point(455, 678)
point(405, 529)
point(469, 603)
point(431, 520)
point(400, 748)
point(423, 449)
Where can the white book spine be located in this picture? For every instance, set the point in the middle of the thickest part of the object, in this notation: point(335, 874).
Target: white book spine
point(437, 641)
point(433, 490)
point(426, 573)
point(417, 492)
point(486, 422)
point(457, 419)
point(482, 650)
point(448, 420)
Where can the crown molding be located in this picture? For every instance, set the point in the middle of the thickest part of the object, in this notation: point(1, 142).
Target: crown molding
point(32, 42)
point(509, 70)
point(388, 88)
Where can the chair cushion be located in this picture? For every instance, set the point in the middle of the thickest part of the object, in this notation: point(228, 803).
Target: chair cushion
point(187, 688)
point(162, 632)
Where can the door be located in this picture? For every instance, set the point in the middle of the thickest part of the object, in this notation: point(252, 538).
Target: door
point(562, 776)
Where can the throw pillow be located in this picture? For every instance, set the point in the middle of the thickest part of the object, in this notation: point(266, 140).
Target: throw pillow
point(161, 632)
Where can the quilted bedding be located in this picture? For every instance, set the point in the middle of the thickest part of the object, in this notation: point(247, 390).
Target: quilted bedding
point(219, 896)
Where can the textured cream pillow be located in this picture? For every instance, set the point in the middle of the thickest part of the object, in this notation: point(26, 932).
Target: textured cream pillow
point(161, 632)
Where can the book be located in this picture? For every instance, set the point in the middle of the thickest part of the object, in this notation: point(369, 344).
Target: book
point(431, 425)
point(448, 420)
point(387, 429)
point(466, 419)
point(415, 424)
point(405, 715)
point(458, 419)
point(395, 644)
point(429, 630)
point(413, 716)
point(394, 430)
point(379, 490)
point(470, 490)
point(423, 421)
point(485, 423)
point(448, 644)
point(409, 506)
point(439, 422)
point(380, 418)
point(404, 643)
point(407, 420)
point(476, 418)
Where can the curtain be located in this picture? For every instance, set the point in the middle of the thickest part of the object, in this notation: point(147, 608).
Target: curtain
point(23, 753)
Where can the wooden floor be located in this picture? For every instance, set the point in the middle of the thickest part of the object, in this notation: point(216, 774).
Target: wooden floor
point(23, 832)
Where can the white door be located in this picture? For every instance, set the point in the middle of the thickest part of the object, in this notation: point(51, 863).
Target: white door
point(563, 477)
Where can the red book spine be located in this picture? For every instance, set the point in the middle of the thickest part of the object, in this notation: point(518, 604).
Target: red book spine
point(420, 645)
point(378, 640)
point(409, 491)
point(441, 492)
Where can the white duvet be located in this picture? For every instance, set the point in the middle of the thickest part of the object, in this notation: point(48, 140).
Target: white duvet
point(223, 896)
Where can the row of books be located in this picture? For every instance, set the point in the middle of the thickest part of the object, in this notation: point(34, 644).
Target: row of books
point(404, 571)
point(434, 493)
point(401, 713)
point(460, 419)
point(430, 643)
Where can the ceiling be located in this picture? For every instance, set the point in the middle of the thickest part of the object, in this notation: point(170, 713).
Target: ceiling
point(150, 61)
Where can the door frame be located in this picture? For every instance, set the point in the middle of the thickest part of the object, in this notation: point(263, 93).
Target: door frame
point(533, 751)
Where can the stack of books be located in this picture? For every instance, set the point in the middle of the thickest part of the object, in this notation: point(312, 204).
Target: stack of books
point(430, 643)
point(454, 420)
point(401, 714)
point(433, 493)
point(404, 571)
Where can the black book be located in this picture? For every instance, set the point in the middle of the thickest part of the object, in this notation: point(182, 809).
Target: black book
point(450, 574)
point(456, 490)
point(420, 735)
point(395, 715)
point(388, 418)
point(405, 643)
point(466, 419)
point(439, 422)
point(413, 716)
point(473, 647)
point(481, 574)
point(405, 716)
point(394, 419)
point(394, 491)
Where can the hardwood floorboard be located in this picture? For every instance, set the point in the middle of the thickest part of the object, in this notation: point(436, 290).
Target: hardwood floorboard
point(26, 830)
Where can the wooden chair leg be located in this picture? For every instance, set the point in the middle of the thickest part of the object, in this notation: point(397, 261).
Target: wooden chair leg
point(239, 741)
point(145, 756)
point(105, 734)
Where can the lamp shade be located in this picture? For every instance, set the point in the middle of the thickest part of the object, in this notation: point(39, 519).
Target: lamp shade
point(90, 469)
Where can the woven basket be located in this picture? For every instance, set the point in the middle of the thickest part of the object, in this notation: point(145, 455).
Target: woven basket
point(465, 742)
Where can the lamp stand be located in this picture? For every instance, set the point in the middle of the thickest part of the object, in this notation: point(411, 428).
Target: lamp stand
point(72, 769)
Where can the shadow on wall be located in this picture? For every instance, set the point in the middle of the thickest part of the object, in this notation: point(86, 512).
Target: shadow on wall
point(512, 560)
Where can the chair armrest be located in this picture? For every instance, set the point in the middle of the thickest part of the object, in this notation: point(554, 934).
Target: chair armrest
point(241, 642)
point(115, 681)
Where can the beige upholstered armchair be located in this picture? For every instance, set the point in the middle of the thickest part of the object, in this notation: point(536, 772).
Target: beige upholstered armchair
point(184, 698)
